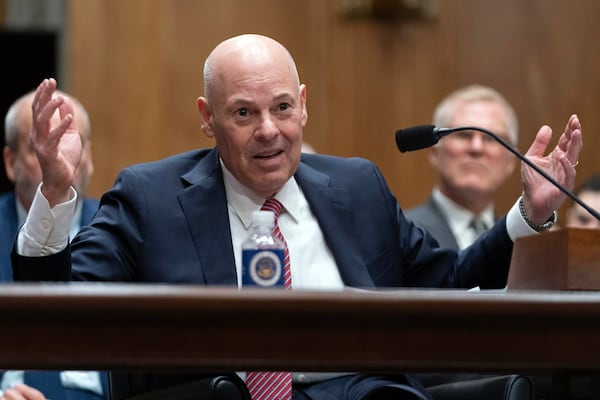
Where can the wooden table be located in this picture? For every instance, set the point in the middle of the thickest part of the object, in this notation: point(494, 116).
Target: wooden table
point(118, 326)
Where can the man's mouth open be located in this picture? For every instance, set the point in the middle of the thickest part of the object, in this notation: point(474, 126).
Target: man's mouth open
point(269, 155)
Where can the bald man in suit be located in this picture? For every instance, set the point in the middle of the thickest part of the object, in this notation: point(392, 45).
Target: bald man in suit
point(183, 219)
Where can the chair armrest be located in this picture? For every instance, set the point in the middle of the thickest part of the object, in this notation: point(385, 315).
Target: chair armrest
point(505, 387)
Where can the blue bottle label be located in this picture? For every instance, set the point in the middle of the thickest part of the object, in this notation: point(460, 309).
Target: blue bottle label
point(262, 268)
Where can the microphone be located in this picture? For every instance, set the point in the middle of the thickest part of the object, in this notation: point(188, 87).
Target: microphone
point(422, 136)
point(419, 137)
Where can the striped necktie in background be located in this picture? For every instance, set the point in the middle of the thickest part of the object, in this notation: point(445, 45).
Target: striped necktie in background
point(478, 226)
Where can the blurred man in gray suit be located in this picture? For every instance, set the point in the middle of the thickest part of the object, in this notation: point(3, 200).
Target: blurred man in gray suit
point(470, 166)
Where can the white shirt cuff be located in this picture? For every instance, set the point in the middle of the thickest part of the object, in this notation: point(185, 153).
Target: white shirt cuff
point(46, 230)
point(82, 380)
point(516, 225)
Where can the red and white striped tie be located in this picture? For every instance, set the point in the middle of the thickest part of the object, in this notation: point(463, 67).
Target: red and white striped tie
point(273, 205)
point(269, 385)
point(273, 385)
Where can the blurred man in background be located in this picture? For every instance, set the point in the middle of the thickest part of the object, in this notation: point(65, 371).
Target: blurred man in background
point(23, 170)
point(470, 165)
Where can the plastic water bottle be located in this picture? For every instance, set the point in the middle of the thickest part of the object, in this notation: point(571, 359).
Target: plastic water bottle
point(263, 253)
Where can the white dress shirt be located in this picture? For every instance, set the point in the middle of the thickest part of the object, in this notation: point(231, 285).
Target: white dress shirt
point(312, 264)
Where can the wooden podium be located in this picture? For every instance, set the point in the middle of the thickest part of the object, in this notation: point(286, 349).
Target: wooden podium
point(565, 259)
point(150, 327)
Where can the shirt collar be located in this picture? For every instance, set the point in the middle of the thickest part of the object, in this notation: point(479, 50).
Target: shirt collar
point(458, 217)
point(244, 201)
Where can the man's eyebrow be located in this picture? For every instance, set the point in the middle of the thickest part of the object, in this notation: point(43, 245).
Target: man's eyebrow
point(283, 96)
point(240, 101)
point(243, 101)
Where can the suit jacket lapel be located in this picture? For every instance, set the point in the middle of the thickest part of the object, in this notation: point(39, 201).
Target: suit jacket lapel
point(333, 209)
point(204, 204)
point(438, 226)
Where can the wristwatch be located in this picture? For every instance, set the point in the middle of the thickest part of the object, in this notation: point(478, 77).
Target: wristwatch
point(537, 227)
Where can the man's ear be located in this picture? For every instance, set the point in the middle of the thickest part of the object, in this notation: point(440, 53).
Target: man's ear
point(432, 156)
point(303, 104)
point(9, 163)
point(511, 165)
point(205, 117)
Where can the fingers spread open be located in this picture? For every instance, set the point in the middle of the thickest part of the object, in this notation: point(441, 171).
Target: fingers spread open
point(540, 143)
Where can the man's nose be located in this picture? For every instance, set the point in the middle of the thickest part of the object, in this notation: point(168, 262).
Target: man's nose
point(267, 128)
point(476, 143)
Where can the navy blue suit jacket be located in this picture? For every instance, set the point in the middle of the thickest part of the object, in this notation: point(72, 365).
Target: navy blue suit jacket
point(168, 222)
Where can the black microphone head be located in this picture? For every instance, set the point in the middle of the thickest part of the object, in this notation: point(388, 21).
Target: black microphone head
point(416, 137)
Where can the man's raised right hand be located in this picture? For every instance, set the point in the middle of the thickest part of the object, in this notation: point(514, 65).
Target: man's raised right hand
point(58, 150)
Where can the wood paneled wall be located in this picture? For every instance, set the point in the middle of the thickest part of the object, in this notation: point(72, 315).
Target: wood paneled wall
point(137, 65)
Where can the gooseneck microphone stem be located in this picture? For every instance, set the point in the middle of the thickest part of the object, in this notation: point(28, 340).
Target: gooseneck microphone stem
point(441, 132)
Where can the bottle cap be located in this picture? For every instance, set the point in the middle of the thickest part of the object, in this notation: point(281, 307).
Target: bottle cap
point(263, 218)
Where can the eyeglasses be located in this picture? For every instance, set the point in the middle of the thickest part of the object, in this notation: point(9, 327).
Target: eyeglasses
point(468, 136)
